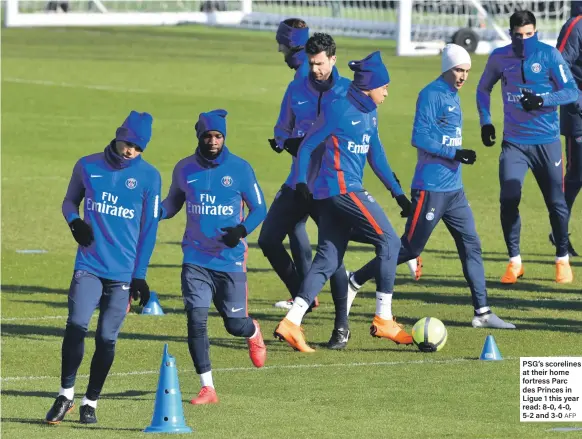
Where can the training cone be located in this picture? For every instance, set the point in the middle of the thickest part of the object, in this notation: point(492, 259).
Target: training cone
point(153, 307)
point(490, 350)
point(168, 414)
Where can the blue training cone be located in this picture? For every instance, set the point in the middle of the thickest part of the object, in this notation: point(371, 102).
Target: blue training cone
point(490, 350)
point(153, 307)
point(168, 414)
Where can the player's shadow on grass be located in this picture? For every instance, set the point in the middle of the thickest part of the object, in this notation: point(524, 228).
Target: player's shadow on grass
point(30, 421)
point(33, 332)
point(32, 289)
point(447, 281)
point(71, 421)
point(95, 427)
point(550, 324)
point(453, 253)
point(129, 394)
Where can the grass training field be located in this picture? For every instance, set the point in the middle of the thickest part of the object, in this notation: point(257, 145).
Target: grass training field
point(64, 93)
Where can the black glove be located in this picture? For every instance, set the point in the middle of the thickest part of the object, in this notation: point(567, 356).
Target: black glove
point(233, 235)
point(405, 205)
point(139, 289)
point(302, 194)
point(530, 101)
point(82, 232)
point(274, 146)
point(488, 135)
point(291, 145)
point(465, 156)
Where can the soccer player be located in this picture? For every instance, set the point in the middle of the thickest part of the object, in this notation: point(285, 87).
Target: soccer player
point(437, 188)
point(215, 185)
point(348, 126)
point(292, 34)
point(535, 79)
point(301, 106)
point(570, 46)
point(116, 238)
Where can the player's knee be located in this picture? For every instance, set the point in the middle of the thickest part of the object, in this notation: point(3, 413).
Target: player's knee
point(266, 241)
point(509, 203)
point(75, 331)
point(197, 321)
point(472, 245)
point(510, 192)
point(236, 326)
point(388, 245)
point(105, 340)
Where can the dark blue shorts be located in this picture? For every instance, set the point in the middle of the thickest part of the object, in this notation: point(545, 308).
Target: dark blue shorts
point(202, 286)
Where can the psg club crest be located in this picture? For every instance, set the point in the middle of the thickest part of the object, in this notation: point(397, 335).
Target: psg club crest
point(536, 67)
point(131, 183)
point(226, 181)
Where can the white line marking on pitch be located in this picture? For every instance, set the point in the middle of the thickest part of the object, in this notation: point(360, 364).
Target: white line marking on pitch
point(25, 319)
point(254, 369)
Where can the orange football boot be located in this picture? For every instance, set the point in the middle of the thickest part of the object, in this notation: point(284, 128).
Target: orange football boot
point(292, 334)
point(207, 395)
point(564, 273)
point(257, 348)
point(512, 273)
point(391, 330)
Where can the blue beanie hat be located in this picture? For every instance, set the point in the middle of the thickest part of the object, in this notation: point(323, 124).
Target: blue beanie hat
point(576, 8)
point(291, 36)
point(136, 129)
point(214, 120)
point(370, 73)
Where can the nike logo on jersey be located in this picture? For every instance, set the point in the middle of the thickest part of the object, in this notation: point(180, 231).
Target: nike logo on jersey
point(233, 309)
point(192, 181)
point(355, 122)
point(558, 163)
point(301, 102)
point(125, 287)
point(95, 176)
point(452, 108)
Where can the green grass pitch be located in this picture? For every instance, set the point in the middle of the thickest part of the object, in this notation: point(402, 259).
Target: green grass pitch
point(64, 92)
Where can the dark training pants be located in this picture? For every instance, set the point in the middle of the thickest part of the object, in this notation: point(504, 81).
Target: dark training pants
point(452, 207)
point(229, 292)
point(545, 161)
point(340, 218)
point(573, 179)
point(286, 217)
point(87, 292)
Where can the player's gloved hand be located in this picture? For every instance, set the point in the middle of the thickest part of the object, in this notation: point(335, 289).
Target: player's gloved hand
point(530, 101)
point(291, 145)
point(405, 205)
point(139, 289)
point(488, 135)
point(302, 194)
point(274, 146)
point(233, 235)
point(82, 232)
point(466, 156)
